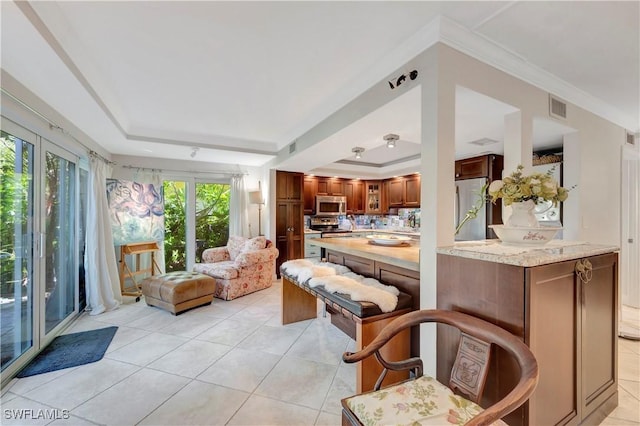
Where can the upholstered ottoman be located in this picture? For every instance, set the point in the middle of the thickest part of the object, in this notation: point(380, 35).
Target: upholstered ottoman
point(178, 291)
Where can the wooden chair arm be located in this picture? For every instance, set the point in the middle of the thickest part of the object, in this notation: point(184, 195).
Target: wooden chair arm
point(473, 326)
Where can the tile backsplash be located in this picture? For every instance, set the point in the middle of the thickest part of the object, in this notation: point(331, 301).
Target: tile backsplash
point(406, 218)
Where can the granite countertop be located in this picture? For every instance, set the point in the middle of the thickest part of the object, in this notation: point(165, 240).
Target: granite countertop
point(407, 256)
point(553, 251)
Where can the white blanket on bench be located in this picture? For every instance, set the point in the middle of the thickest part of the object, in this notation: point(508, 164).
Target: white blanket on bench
point(358, 291)
point(339, 279)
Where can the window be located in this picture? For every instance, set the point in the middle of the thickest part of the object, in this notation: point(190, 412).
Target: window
point(211, 219)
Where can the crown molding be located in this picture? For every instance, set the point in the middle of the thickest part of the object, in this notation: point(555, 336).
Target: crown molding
point(488, 51)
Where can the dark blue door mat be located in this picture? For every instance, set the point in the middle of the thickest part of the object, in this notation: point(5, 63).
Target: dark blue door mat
point(71, 350)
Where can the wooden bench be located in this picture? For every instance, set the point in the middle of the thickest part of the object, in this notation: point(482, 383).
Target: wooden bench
point(362, 321)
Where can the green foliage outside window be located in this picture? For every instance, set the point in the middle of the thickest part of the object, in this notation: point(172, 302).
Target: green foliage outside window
point(14, 211)
point(212, 220)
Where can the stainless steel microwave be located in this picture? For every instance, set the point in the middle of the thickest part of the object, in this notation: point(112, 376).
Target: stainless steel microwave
point(327, 205)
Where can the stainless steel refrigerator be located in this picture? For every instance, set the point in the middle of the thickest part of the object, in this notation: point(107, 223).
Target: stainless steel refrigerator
point(467, 196)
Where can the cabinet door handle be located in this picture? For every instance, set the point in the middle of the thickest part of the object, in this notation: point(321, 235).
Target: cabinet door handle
point(584, 270)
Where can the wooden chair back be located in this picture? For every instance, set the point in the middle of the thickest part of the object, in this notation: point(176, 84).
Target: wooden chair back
point(471, 366)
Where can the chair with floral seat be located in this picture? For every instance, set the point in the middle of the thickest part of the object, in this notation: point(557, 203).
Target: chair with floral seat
point(243, 266)
point(422, 400)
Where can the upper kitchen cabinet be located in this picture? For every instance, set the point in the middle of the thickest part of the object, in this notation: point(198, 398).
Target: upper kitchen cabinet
point(395, 188)
point(355, 192)
point(404, 191)
point(330, 186)
point(310, 191)
point(373, 201)
point(489, 166)
point(412, 191)
point(289, 186)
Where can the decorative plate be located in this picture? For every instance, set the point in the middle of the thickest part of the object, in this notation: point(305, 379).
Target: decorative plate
point(389, 240)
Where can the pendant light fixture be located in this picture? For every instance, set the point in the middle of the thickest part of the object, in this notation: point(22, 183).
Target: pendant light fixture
point(358, 151)
point(391, 140)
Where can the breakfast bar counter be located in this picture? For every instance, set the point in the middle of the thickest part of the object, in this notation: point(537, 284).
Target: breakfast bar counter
point(405, 256)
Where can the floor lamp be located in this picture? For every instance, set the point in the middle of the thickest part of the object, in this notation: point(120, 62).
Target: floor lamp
point(255, 197)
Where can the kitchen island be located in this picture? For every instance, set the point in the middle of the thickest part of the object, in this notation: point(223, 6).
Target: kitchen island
point(561, 300)
point(397, 266)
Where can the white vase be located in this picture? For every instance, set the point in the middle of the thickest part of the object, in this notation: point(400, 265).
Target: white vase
point(522, 215)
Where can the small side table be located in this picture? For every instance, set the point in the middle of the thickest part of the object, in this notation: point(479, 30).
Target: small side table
point(136, 249)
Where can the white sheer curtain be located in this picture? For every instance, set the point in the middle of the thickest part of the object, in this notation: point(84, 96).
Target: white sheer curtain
point(152, 177)
point(238, 203)
point(102, 279)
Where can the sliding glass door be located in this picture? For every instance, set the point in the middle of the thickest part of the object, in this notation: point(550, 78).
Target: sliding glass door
point(38, 245)
point(16, 247)
point(59, 236)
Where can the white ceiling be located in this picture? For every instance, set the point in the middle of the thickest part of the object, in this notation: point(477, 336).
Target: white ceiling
point(242, 80)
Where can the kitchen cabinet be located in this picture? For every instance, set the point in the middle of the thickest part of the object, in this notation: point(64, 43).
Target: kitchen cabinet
point(395, 192)
point(489, 166)
point(355, 193)
point(310, 185)
point(311, 251)
point(289, 186)
point(373, 203)
point(330, 186)
point(404, 191)
point(412, 191)
point(384, 196)
point(289, 235)
point(567, 317)
point(370, 197)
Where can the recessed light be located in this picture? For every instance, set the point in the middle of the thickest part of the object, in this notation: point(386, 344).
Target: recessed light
point(483, 142)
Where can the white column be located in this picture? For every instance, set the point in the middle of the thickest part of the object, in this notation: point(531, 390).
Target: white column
point(572, 220)
point(518, 141)
point(437, 190)
point(518, 147)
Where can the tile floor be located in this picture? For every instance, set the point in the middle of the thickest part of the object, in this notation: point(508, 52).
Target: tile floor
point(229, 363)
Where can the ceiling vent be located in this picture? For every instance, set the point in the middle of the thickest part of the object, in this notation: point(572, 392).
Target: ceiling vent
point(483, 142)
point(557, 108)
point(631, 138)
point(292, 148)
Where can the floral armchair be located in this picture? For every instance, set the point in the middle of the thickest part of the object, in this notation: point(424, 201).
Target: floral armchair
point(241, 267)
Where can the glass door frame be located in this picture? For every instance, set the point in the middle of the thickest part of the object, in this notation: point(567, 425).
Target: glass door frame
point(47, 146)
point(39, 339)
point(190, 208)
point(29, 137)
